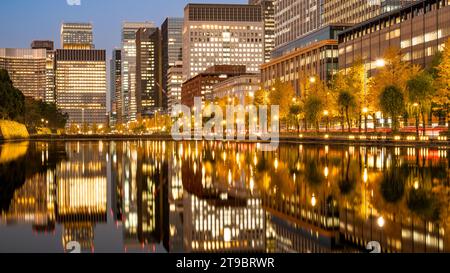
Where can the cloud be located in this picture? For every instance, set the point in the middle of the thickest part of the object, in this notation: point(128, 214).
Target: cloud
point(74, 2)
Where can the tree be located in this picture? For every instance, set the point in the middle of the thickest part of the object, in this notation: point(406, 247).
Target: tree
point(442, 97)
point(295, 112)
point(12, 101)
point(392, 103)
point(282, 94)
point(395, 72)
point(346, 101)
point(314, 106)
point(420, 94)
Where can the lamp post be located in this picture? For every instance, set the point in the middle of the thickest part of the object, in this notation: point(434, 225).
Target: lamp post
point(365, 111)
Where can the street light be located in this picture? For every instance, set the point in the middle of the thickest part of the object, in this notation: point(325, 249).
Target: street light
point(312, 79)
point(380, 63)
point(365, 111)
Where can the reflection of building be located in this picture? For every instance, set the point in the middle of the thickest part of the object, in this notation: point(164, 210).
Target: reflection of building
point(202, 85)
point(222, 34)
point(81, 85)
point(419, 30)
point(49, 67)
point(238, 87)
point(149, 96)
point(77, 36)
point(225, 226)
point(176, 213)
point(27, 70)
point(129, 106)
point(145, 201)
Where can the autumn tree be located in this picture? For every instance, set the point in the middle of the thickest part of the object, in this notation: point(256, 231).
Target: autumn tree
point(420, 94)
point(282, 94)
point(392, 103)
point(442, 97)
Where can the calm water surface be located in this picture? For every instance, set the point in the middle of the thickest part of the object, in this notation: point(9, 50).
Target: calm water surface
point(150, 196)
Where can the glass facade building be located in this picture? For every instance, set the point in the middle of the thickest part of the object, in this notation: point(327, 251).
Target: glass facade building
point(172, 51)
point(148, 71)
point(419, 31)
point(174, 83)
point(268, 13)
point(116, 87)
point(129, 106)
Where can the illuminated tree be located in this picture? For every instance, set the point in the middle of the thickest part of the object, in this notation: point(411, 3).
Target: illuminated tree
point(420, 94)
point(392, 103)
point(442, 97)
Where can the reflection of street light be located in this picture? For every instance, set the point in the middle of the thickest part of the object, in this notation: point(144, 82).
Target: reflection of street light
point(313, 200)
point(381, 222)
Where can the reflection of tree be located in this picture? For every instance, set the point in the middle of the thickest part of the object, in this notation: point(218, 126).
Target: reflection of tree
point(347, 180)
point(424, 204)
point(14, 174)
point(392, 185)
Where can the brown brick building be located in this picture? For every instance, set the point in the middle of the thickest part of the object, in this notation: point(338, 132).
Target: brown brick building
point(202, 84)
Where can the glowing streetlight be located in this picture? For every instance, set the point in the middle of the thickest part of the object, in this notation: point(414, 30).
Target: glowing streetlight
point(312, 79)
point(380, 63)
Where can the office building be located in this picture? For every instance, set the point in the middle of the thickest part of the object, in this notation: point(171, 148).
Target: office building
point(202, 85)
point(174, 83)
point(116, 87)
point(77, 36)
point(172, 50)
point(222, 34)
point(81, 85)
point(418, 30)
point(129, 106)
point(49, 67)
point(27, 69)
point(268, 13)
point(357, 11)
point(314, 55)
point(238, 87)
point(293, 19)
point(148, 71)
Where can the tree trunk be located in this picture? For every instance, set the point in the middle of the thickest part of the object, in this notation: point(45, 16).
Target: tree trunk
point(417, 125)
point(424, 125)
point(348, 120)
point(360, 123)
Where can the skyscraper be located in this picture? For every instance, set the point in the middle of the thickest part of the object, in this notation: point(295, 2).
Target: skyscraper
point(268, 13)
point(27, 70)
point(174, 84)
point(357, 11)
point(116, 87)
point(49, 96)
point(148, 71)
point(222, 34)
point(295, 19)
point(129, 106)
point(77, 36)
point(172, 51)
point(81, 85)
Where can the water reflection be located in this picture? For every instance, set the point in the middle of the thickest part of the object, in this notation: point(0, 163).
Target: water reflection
point(145, 196)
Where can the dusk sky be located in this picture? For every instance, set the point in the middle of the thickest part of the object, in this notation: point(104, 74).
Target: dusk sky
point(25, 20)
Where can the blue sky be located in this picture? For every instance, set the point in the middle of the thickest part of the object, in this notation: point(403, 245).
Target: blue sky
point(22, 21)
